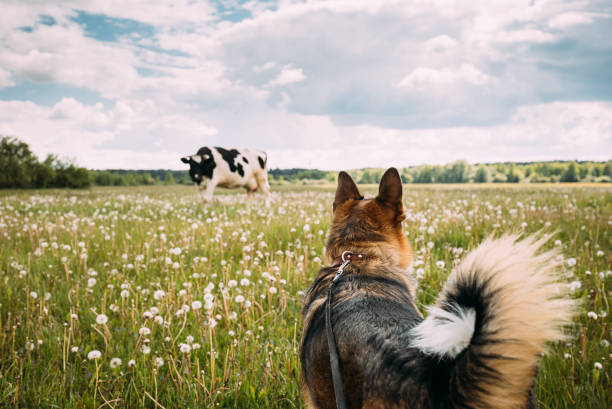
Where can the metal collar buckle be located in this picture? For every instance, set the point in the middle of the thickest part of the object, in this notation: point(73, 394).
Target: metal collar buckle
point(345, 261)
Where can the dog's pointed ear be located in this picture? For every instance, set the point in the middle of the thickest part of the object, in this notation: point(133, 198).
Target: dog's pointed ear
point(185, 159)
point(390, 189)
point(347, 189)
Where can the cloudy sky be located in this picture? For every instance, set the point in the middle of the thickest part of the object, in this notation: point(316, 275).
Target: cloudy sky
point(317, 84)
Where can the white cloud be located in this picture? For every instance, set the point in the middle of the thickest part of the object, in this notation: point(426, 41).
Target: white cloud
point(288, 75)
point(475, 59)
point(264, 67)
point(63, 54)
point(79, 131)
point(569, 130)
point(526, 36)
point(5, 79)
point(533, 133)
point(422, 78)
point(570, 19)
point(441, 43)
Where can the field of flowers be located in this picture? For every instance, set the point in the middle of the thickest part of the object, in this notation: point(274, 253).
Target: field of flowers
point(144, 297)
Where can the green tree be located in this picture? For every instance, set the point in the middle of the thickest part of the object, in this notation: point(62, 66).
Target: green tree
point(44, 173)
point(511, 176)
point(596, 171)
point(458, 172)
point(17, 163)
point(424, 175)
point(482, 175)
point(570, 174)
point(103, 178)
point(607, 169)
point(169, 179)
point(366, 177)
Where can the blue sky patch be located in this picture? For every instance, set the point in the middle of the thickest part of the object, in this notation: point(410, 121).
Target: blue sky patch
point(110, 29)
point(150, 72)
point(232, 10)
point(47, 20)
point(49, 94)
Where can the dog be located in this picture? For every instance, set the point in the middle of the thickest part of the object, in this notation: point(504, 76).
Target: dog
point(480, 344)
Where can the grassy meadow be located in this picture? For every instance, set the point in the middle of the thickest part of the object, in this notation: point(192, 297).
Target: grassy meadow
point(145, 297)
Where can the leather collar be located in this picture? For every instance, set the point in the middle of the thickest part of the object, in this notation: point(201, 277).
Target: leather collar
point(350, 256)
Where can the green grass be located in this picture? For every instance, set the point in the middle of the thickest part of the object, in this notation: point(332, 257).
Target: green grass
point(53, 243)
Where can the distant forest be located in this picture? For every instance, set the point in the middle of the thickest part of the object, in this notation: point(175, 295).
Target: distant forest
point(20, 168)
point(456, 172)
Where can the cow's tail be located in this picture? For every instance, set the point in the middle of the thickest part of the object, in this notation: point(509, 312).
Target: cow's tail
point(497, 311)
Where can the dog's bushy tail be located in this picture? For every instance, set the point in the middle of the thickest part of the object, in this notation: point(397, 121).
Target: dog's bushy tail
point(497, 311)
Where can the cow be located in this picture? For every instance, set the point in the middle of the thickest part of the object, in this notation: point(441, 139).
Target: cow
point(231, 168)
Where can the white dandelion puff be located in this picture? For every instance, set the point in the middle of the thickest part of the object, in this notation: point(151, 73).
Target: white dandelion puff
point(101, 319)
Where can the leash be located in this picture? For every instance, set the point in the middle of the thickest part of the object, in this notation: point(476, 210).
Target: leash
point(334, 361)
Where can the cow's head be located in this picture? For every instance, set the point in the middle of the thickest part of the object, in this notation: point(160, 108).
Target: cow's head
point(201, 165)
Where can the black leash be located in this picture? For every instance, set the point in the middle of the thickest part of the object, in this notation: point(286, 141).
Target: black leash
point(331, 340)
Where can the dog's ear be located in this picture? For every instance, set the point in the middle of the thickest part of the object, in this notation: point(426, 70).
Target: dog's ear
point(390, 190)
point(347, 189)
point(185, 159)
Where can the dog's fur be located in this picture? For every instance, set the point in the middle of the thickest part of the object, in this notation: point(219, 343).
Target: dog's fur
point(478, 348)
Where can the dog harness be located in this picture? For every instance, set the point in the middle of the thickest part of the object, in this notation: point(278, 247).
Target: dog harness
point(341, 262)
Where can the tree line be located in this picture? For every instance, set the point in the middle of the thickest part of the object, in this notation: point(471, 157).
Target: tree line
point(20, 168)
point(463, 172)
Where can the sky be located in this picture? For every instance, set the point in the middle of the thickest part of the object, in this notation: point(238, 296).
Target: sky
point(136, 84)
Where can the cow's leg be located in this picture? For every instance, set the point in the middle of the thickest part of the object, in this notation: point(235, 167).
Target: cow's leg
point(262, 182)
point(250, 193)
point(207, 192)
point(251, 188)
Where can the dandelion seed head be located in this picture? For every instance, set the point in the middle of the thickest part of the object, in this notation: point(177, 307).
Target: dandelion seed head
point(101, 319)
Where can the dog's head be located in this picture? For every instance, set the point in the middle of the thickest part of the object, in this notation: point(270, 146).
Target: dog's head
point(369, 225)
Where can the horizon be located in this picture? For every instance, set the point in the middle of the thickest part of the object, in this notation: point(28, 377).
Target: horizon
point(382, 167)
point(317, 85)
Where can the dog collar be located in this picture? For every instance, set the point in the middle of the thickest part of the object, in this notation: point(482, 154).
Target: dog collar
point(350, 256)
point(346, 257)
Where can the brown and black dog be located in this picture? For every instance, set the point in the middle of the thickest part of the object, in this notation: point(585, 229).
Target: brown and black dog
point(479, 346)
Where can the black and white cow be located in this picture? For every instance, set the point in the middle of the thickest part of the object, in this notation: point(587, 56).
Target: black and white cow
point(231, 168)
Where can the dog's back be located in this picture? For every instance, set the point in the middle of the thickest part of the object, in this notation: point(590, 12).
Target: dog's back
point(478, 348)
point(367, 309)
